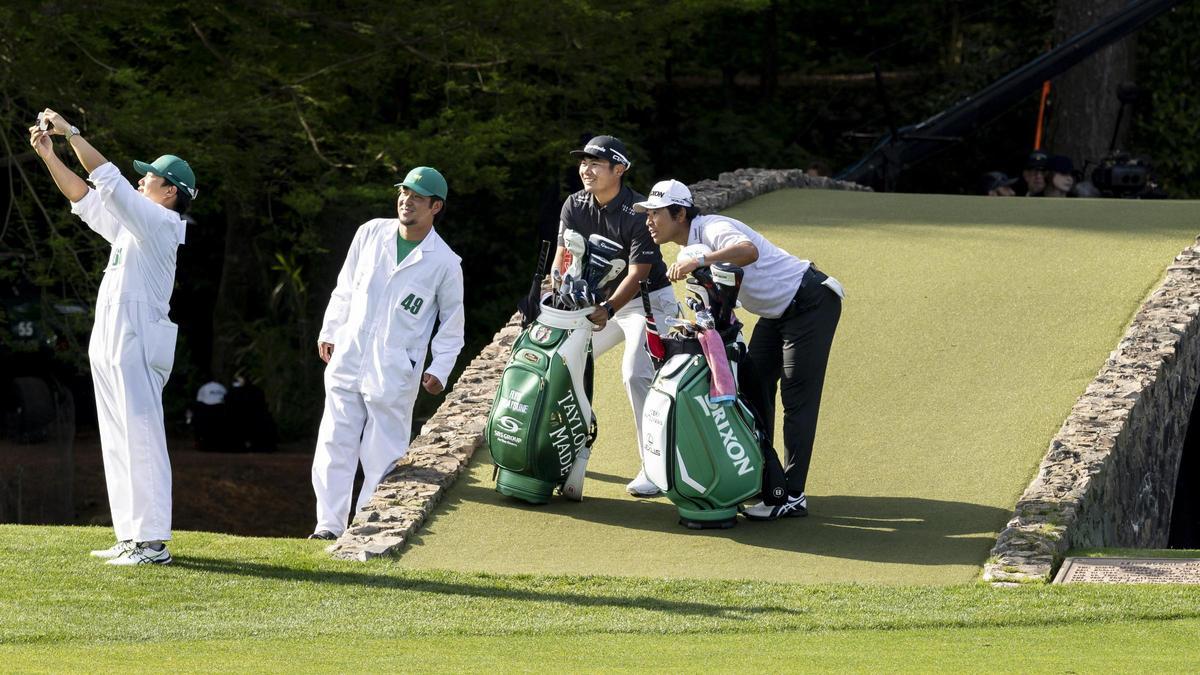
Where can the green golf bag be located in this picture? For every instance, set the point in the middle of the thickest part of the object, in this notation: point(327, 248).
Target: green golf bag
point(705, 456)
point(541, 425)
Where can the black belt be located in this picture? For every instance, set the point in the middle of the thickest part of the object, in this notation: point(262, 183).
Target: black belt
point(809, 283)
point(812, 275)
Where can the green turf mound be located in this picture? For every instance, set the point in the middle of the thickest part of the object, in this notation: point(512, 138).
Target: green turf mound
point(970, 327)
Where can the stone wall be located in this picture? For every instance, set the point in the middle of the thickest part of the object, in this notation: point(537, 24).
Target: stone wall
point(413, 488)
point(1108, 478)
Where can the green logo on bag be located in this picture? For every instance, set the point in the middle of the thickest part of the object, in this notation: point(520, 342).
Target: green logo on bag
point(412, 303)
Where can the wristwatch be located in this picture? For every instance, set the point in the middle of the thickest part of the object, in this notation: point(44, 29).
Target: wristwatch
point(608, 306)
point(701, 260)
point(71, 132)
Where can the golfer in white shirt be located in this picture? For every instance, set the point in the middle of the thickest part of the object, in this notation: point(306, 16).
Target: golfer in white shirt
point(798, 305)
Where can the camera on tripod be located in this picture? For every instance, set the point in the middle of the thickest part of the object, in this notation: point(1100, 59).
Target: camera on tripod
point(1120, 174)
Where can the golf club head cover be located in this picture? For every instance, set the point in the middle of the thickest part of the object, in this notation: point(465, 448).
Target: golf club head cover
point(601, 252)
point(615, 267)
point(654, 343)
point(727, 283)
point(718, 298)
point(702, 286)
point(576, 245)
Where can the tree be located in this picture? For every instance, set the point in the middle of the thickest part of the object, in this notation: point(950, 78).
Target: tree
point(1085, 97)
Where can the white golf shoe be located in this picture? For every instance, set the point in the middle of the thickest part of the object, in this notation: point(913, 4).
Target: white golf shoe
point(142, 554)
point(115, 551)
point(796, 506)
point(642, 487)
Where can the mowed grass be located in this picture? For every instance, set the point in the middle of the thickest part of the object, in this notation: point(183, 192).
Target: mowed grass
point(970, 328)
point(273, 605)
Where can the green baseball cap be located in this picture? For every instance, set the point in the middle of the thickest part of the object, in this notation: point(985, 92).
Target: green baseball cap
point(170, 167)
point(427, 182)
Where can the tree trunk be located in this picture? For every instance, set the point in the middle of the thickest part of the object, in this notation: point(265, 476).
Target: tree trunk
point(239, 289)
point(1085, 104)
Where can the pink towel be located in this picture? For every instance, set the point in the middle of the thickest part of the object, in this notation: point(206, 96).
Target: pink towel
point(722, 387)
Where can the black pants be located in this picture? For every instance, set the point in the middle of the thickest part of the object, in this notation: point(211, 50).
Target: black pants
point(791, 353)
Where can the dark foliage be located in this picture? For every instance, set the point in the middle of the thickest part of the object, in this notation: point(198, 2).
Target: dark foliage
point(299, 116)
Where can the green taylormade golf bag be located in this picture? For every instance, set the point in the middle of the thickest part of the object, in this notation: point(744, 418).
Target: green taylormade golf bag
point(541, 427)
point(707, 457)
point(541, 424)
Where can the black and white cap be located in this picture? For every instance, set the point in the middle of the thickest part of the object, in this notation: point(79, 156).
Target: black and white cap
point(665, 193)
point(605, 147)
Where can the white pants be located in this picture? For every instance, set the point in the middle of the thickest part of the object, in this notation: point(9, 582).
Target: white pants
point(629, 324)
point(129, 413)
point(353, 431)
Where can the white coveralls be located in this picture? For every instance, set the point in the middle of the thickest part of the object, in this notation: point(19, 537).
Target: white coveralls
point(379, 320)
point(132, 350)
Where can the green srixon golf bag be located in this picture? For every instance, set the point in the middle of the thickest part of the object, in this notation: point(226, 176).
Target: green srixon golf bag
point(705, 456)
point(541, 424)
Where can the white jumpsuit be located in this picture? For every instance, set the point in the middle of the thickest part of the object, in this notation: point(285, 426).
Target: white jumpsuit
point(132, 350)
point(380, 319)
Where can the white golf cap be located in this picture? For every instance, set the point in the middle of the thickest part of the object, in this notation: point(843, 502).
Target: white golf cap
point(665, 193)
point(211, 393)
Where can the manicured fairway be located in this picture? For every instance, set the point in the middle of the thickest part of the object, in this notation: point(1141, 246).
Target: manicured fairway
point(234, 604)
point(971, 326)
point(1156, 647)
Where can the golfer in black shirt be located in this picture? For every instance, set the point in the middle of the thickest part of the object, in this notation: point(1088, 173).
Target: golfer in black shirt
point(605, 206)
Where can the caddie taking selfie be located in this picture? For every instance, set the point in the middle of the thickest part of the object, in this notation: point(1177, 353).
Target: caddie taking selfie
point(132, 348)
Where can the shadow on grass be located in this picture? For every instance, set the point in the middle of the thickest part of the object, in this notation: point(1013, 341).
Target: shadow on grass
point(902, 530)
point(493, 592)
point(608, 478)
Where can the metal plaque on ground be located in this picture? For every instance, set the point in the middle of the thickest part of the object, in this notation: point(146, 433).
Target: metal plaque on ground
point(1129, 571)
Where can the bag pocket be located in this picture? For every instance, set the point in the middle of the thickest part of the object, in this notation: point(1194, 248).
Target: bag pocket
point(160, 345)
point(515, 419)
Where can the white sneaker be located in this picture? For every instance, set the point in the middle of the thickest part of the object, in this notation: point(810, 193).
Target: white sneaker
point(142, 554)
point(794, 507)
point(115, 551)
point(642, 487)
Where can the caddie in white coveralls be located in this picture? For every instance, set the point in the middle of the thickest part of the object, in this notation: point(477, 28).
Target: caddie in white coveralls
point(398, 279)
point(132, 347)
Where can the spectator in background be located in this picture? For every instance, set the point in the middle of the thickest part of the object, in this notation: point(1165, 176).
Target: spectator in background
point(1061, 179)
point(997, 184)
point(207, 417)
point(1033, 176)
point(252, 429)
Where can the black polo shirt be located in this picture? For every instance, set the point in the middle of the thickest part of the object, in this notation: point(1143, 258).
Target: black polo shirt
point(618, 221)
